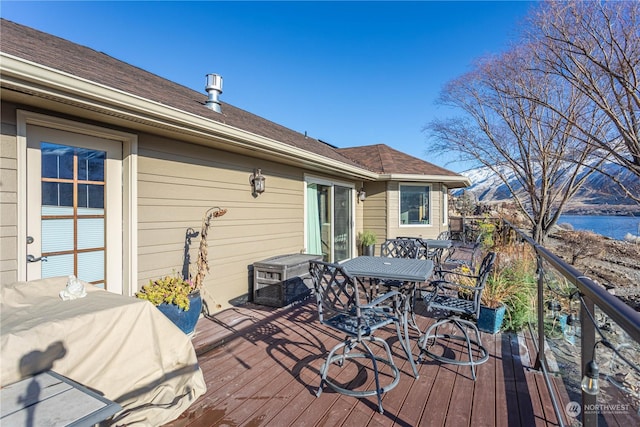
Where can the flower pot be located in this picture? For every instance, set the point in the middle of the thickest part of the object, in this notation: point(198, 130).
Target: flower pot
point(490, 319)
point(369, 250)
point(185, 320)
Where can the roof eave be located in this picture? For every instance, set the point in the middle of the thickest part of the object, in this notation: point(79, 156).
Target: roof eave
point(19, 74)
point(452, 181)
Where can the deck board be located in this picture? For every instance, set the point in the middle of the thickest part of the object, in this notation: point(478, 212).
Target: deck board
point(262, 365)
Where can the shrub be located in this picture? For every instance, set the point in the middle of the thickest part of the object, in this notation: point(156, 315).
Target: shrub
point(581, 244)
point(367, 238)
point(169, 289)
point(513, 283)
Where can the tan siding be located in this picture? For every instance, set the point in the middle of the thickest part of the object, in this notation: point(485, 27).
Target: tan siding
point(178, 182)
point(8, 196)
point(375, 209)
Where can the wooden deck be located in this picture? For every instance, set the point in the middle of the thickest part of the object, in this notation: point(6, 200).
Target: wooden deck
point(261, 367)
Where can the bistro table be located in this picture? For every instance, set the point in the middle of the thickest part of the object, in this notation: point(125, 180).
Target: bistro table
point(407, 271)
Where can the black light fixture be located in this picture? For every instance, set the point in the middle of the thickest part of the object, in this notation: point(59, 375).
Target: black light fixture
point(257, 181)
point(590, 380)
point(362, 194)
point(554, 307)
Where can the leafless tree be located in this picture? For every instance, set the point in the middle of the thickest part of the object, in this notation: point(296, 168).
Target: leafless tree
point(503, 129)
point(595, 47)
point(581, 244)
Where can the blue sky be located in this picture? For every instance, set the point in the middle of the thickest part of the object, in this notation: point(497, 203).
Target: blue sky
point(348, 73)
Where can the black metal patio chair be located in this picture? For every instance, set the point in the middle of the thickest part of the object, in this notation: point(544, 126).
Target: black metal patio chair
point(461, 306)
point(469, 254)
point(400, 248)
point(342, 306)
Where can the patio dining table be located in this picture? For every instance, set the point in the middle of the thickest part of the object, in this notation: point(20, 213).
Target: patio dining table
point(408, 272)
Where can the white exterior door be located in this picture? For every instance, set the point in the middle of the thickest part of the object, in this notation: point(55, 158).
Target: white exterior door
point(74, 207)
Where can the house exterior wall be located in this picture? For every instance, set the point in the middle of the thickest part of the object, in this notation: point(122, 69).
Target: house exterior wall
point(178, 182)
point(375, 210)
point(8, 194)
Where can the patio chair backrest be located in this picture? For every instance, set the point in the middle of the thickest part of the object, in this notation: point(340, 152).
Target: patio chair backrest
point(481, 278)
point(337, 293)
point(444, 235)
point(400, 248)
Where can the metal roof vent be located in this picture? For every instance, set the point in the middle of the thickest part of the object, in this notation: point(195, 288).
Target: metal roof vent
point(214, 89)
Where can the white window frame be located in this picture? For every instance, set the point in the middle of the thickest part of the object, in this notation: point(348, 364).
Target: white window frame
point(430, 198)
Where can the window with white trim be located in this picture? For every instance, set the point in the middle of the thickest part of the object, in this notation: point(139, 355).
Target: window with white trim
point(415, 204)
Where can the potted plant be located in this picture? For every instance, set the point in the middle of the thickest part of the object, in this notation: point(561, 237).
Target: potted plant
point(176, 298)
point(509, 291)
point(492, 307)
point(367, 241)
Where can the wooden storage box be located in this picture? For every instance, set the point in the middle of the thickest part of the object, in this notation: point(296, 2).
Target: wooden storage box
point(279, 281)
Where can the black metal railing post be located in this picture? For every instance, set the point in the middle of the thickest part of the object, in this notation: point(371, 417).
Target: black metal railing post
point(540, 358)
point(588, 341)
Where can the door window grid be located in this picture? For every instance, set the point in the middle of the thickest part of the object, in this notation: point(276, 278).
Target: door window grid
point(74, 178)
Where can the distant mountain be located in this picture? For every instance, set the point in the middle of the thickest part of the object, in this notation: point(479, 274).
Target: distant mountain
point(599, 194)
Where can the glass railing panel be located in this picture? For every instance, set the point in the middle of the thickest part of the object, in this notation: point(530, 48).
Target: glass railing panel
point(616, 353)
point(562, 332)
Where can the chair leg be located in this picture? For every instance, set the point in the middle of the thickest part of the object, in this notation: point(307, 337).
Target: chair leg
point(470, 343)
point(346, 346)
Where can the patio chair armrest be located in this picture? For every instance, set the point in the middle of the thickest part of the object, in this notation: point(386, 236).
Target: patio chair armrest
point(453, 285)
point(458, 273)
point(381, 298)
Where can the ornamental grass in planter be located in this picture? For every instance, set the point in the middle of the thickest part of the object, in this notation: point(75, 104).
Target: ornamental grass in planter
point(509, 290)
point(367, 240)
point(177, 297)
point(512, 283)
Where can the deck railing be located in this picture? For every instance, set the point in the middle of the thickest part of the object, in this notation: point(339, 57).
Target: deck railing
point(576, 322)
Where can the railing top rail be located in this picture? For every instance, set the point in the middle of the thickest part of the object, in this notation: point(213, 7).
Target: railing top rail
point(626, 317)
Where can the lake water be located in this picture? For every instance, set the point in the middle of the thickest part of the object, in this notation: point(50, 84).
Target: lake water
point(615, 227)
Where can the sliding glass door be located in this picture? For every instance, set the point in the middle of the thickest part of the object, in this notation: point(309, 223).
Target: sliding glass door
point(329, 228)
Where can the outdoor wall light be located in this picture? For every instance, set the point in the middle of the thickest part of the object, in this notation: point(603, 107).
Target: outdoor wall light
point(257, 181)
point(362, 194)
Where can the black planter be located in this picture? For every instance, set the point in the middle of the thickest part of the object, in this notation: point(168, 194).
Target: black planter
point(369, 250)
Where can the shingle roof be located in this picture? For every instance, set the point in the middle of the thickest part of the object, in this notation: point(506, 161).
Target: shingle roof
point(60, 54)
point(383, 159)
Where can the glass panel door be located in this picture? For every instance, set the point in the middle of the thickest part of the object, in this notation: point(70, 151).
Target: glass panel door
point(342, 234)
point(72, 212)
point(329, 219)
point(74, 207)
